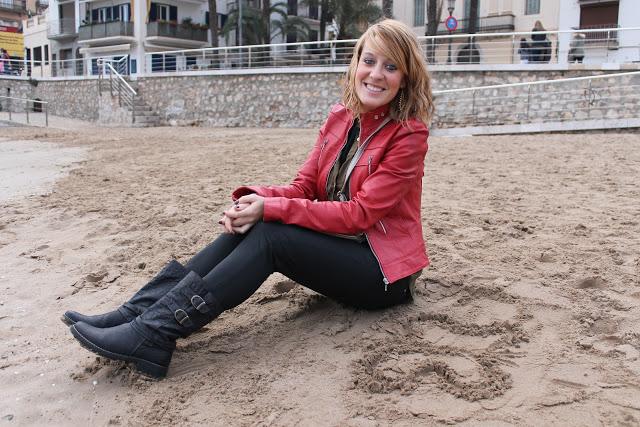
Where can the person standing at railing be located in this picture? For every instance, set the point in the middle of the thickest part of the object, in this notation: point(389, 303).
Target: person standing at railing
point(348, 226)
point(4, 64)
point(540, 45)
point(576, 50)
point(524, 51)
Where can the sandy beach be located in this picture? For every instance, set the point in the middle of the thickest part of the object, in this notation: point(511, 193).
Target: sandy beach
point(529, 314)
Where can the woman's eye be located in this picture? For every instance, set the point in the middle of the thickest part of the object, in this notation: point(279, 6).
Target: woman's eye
point(391, 67)
point(368, 61)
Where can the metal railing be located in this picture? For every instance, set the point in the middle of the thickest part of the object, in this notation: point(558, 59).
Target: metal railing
point(105, 29)
point(65, 27)
point(485, 48)
point(13, 5)
point(33, 105)
point(118, 86)
point(612, 45)
point(177, 31)
point(487, 24)
point(609, 96)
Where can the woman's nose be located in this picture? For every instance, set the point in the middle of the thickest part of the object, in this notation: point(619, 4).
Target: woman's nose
point(376, 72)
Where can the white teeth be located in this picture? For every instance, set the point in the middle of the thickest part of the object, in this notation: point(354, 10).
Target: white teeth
point(373, 88)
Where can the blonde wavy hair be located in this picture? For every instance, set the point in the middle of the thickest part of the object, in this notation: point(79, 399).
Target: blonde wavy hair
point(397, 42)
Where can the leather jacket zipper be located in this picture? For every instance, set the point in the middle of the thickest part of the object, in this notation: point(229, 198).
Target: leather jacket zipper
point(369, 164)
point(384, 278)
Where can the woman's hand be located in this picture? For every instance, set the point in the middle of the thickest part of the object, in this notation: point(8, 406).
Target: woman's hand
point(245, 213)
point(225, 221)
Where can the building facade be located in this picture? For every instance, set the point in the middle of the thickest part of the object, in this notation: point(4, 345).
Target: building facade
point(602, 46)
point(81, 31)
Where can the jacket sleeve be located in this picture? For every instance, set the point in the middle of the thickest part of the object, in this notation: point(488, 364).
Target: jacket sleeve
point(303, 185)
point(401, 165)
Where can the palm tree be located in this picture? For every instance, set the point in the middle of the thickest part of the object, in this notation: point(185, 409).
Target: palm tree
point(434, 13)
point(469, 53)
point(353, 16)
point(257, 23)
point(213, 22)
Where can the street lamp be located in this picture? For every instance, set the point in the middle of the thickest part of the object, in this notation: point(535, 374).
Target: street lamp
point(451, 6)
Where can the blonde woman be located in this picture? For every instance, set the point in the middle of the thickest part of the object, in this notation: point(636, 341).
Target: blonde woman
point(348, 226)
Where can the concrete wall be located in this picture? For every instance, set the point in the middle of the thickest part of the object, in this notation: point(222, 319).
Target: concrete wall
point(267, 100)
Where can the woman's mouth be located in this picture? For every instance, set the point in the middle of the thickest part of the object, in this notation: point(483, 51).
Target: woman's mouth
point(373, 88)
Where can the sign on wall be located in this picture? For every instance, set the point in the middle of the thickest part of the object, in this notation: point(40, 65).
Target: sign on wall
point(11, 40)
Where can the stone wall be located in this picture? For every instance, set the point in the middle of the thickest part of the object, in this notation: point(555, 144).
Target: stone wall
point(259, 100)
point(76, 98)
point(284, 100)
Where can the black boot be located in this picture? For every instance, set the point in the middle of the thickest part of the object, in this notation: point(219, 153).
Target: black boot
point(149, 340)
point(164, 281)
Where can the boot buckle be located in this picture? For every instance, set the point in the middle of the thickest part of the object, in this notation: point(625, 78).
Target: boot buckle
point(182, 317)
point(199, 304)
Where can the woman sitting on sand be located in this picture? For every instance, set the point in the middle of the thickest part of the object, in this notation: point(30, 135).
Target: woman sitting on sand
point(348, 226)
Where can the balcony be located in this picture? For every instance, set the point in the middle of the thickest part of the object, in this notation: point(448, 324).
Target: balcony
point(13, 5)
point(62, 29)
point(177, 35)
point(608, 37)
point(115, 31)
point(488, 24)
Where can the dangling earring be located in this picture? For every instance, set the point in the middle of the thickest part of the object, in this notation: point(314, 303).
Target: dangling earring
point(401, 100)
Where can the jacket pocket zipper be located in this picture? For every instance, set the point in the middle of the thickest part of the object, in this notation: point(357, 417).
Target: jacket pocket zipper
point(383, 227)
point(369, 164)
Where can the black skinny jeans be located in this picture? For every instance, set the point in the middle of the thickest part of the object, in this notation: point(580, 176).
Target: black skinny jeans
point(234, 266)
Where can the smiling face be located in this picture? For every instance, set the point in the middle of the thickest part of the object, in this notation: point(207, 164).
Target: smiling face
point(377, 79)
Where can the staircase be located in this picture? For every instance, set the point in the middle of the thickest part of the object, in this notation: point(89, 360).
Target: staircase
point(143, 114)
point(127, 94)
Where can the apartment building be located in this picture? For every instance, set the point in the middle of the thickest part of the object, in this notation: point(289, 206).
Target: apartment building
point(602, 46)
point(37, 47)
point(12, 12)
point(83, 30)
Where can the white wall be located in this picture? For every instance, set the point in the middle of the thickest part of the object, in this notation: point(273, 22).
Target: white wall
point(629, 16)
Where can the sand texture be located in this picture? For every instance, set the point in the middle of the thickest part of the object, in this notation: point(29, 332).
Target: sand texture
point(529, 314)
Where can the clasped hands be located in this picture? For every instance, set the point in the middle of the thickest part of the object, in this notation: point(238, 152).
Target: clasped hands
point(243, 214)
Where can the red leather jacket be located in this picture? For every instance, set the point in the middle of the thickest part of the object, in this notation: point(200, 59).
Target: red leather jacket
point(385, 189)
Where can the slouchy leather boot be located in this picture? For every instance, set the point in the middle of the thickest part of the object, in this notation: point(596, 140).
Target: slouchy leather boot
point(150, 339)
point(162, 283)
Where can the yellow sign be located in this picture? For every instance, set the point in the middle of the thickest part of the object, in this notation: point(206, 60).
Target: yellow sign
point(13, 43)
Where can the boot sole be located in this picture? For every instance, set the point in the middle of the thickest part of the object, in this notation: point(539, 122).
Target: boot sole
point(143, 366)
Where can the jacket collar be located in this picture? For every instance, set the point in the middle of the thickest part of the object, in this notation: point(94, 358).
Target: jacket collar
point(370, 121)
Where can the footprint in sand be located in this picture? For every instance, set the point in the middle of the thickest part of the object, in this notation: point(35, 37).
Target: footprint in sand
point(595, 282)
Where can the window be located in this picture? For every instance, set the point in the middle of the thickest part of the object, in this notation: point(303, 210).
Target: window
point(123, 11)
point(532, 7)
point(37, 54)
point(418, 13)
point(46, 54)
point(467, 9)
point(163, 12)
